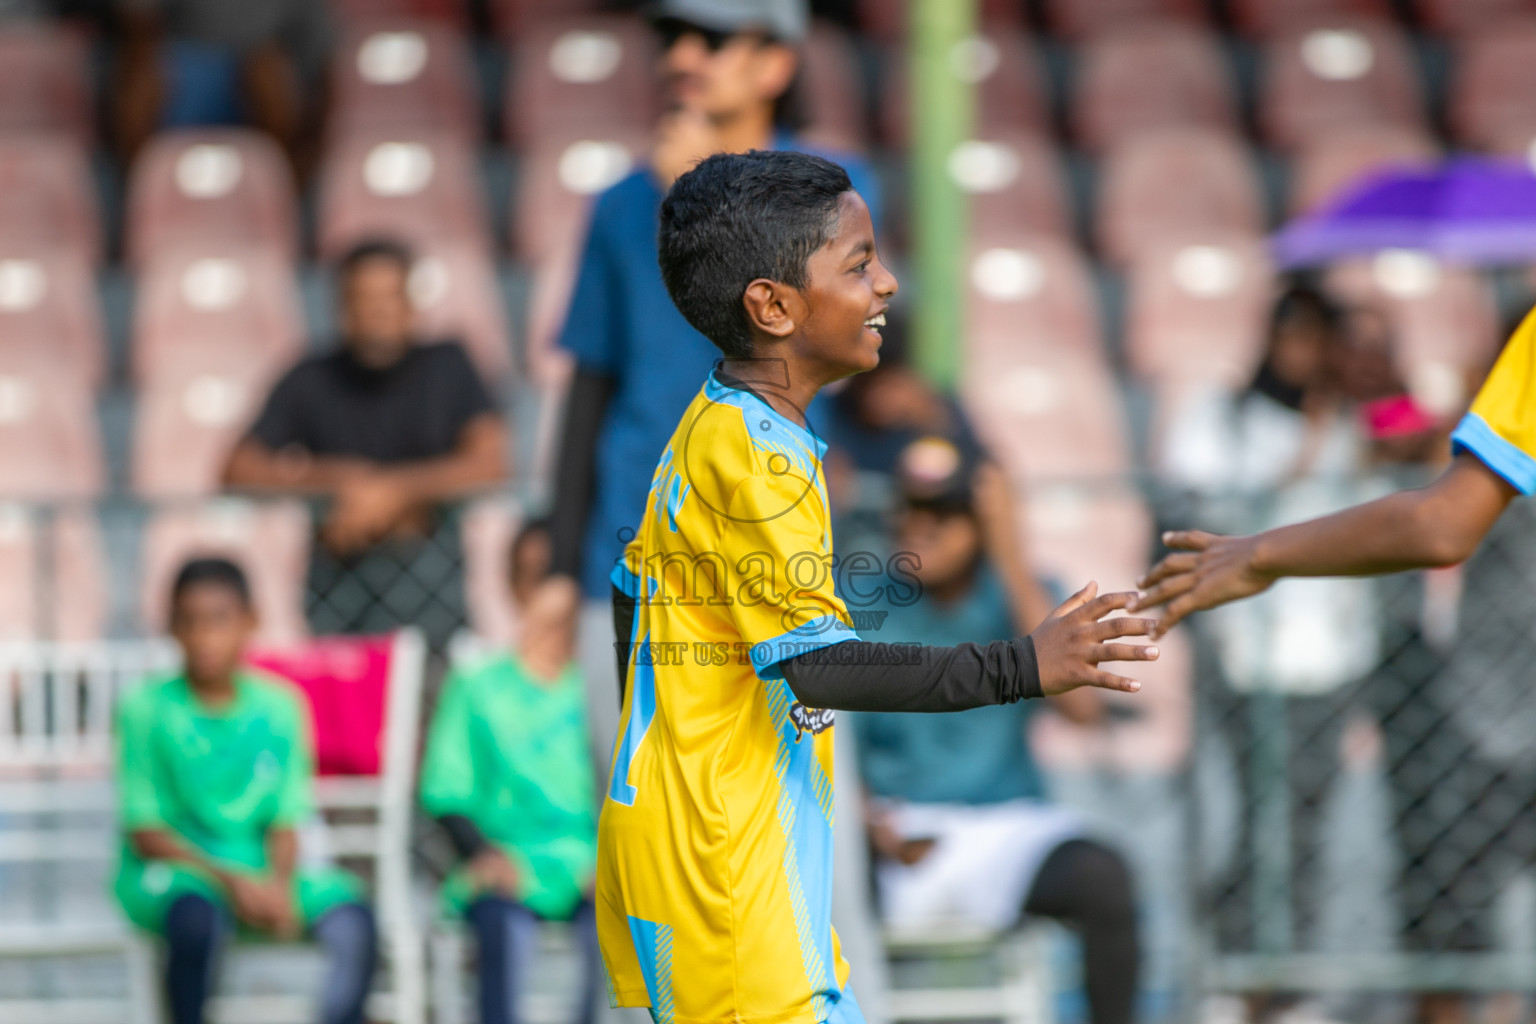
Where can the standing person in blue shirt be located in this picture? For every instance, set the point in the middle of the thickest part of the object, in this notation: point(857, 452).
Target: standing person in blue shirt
point(727, 67)
point(958, 816)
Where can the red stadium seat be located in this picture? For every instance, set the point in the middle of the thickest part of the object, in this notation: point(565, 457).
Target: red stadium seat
point(447, 12)
point(1333, 163)
point(1266, 18)
point(1444, 320)
point(561, 175)
point(1035, 365)
point(1011, 93)
point(1015, 182)
point(239, 305)
point(1196, 318)
point(49, 315)
point(514, 18)
point(581, 74)
point(189, 416)
point(270, 540)
point(50, 445)
point(402, 73)
point(455, 293)
point(488, 526)
point(831, 90)
point(1493, 94)
point(1174, 184)
point(1336, 74)
point(47, 199)
point(1455, 17)
point(1086, 18)
point(211, 187)
point(45, 78)
point(67, 600)
point(1151, 75)
point(418, 186)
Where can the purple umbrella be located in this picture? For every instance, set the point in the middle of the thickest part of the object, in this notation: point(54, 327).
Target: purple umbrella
point(1466, 211)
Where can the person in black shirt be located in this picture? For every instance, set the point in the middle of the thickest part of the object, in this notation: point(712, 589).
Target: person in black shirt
point(388, 429)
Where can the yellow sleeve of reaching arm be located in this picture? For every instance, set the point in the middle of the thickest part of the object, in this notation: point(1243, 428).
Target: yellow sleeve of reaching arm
point(1500, 428)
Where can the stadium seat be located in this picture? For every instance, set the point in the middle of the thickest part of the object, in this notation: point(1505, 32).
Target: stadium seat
point(419, 186)
point(1036, 379)
point(455, 294)
point(830, 90)
point(50, 444)
point(454, 13)
point(401, 73)
point(1493, 91)
point(1011, 91)
point(514, 18)
point(561, 174)
point(270, 540)
point(1015, 181)
point(593, 73)
point(45, 80)
point(1337, 73)
point(47, 197)
point(49, 314)
point(190, 414)
point(1330, 165)
point(238, 304)
point(1196, 317)
point(1444, 319)
point(1083, 19)
point(1151, 75)
point(1456, 17)
point(1168, 185)
point(210, 187)
point(1265, 18)
point(69, 603)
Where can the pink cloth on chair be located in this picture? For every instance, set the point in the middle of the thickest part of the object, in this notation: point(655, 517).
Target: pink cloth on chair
point(347, 682)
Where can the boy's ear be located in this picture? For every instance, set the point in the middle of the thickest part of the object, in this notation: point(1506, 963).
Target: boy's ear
point(773, 307)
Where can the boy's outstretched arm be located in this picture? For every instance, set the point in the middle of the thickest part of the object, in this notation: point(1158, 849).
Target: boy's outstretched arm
point(1062, 654)
point(1437, 525)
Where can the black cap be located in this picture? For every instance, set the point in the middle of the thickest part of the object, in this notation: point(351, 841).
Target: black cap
point(935, 472)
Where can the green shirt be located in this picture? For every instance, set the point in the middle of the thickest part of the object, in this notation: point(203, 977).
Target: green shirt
point(510, 753)
point(219, 778)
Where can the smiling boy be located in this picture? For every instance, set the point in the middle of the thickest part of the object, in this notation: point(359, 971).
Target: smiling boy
point(714, 846)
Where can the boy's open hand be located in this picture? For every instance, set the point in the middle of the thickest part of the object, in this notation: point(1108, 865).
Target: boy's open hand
point(1207, 570)
point(1071, 643)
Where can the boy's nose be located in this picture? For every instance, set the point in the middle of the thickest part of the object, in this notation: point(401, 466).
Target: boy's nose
point(886, 284)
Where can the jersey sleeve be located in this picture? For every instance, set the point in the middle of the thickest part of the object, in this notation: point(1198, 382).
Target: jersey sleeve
point(776, 547)
point(140, 787)
point(447, 768)
point(1500, 428)
point(296, 792)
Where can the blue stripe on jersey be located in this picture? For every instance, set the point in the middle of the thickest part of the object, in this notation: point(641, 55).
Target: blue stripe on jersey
point(653, 948)
point(642, 709)
point(811, 635)
point(1474, 435)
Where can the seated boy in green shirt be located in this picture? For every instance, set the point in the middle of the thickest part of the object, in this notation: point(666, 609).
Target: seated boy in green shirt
point(215, 772)
point(508, 773)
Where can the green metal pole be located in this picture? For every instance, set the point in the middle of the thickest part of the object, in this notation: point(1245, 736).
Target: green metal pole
point(942, 113)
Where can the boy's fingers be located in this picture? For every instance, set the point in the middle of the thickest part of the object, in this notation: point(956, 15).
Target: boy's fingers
point(1111, 629)
point(1103, 605)
point(1165, 592)
point(1170, 565)
point(1189, 540)
point(1176, 613)
point(1110, 681)
point(1077, 600)
point(1123, 652)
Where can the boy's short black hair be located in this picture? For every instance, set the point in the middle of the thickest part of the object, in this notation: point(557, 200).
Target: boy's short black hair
point(376, 249)
point(219, 572)
point(737, 217)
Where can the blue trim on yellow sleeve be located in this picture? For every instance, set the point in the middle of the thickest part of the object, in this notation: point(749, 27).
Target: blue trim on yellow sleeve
point(822, 631)
point(1475, 436)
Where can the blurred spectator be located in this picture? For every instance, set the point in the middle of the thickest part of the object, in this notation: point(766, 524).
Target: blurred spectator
point(183, 63)
point(726, 65)
point(508, 773)
point(958, 810)
point(1401, 431)
point(215, 775)
point(1286, 448)
point(387, 428)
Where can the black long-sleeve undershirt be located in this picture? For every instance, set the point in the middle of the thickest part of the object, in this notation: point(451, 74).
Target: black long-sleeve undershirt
point(862, 675)
point(575, 469)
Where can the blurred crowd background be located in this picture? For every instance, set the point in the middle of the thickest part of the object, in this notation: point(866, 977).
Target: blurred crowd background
point(352, 293)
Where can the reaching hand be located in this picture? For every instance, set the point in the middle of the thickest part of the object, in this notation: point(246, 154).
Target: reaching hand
point(1207, 571)
point(1071, 643)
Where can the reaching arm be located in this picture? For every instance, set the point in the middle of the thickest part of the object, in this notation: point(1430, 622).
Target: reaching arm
point(1437, 525)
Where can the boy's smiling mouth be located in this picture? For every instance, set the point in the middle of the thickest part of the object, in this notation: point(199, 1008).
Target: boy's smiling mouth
point(875, 322)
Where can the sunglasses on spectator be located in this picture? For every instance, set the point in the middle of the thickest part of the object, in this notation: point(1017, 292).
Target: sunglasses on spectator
point(671, 30)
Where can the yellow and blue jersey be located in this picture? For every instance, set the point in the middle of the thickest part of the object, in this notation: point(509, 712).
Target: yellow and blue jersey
point(715, 842)
point(1500, 428)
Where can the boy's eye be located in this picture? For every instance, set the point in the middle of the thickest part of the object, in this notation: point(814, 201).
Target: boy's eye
point(861, 267)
